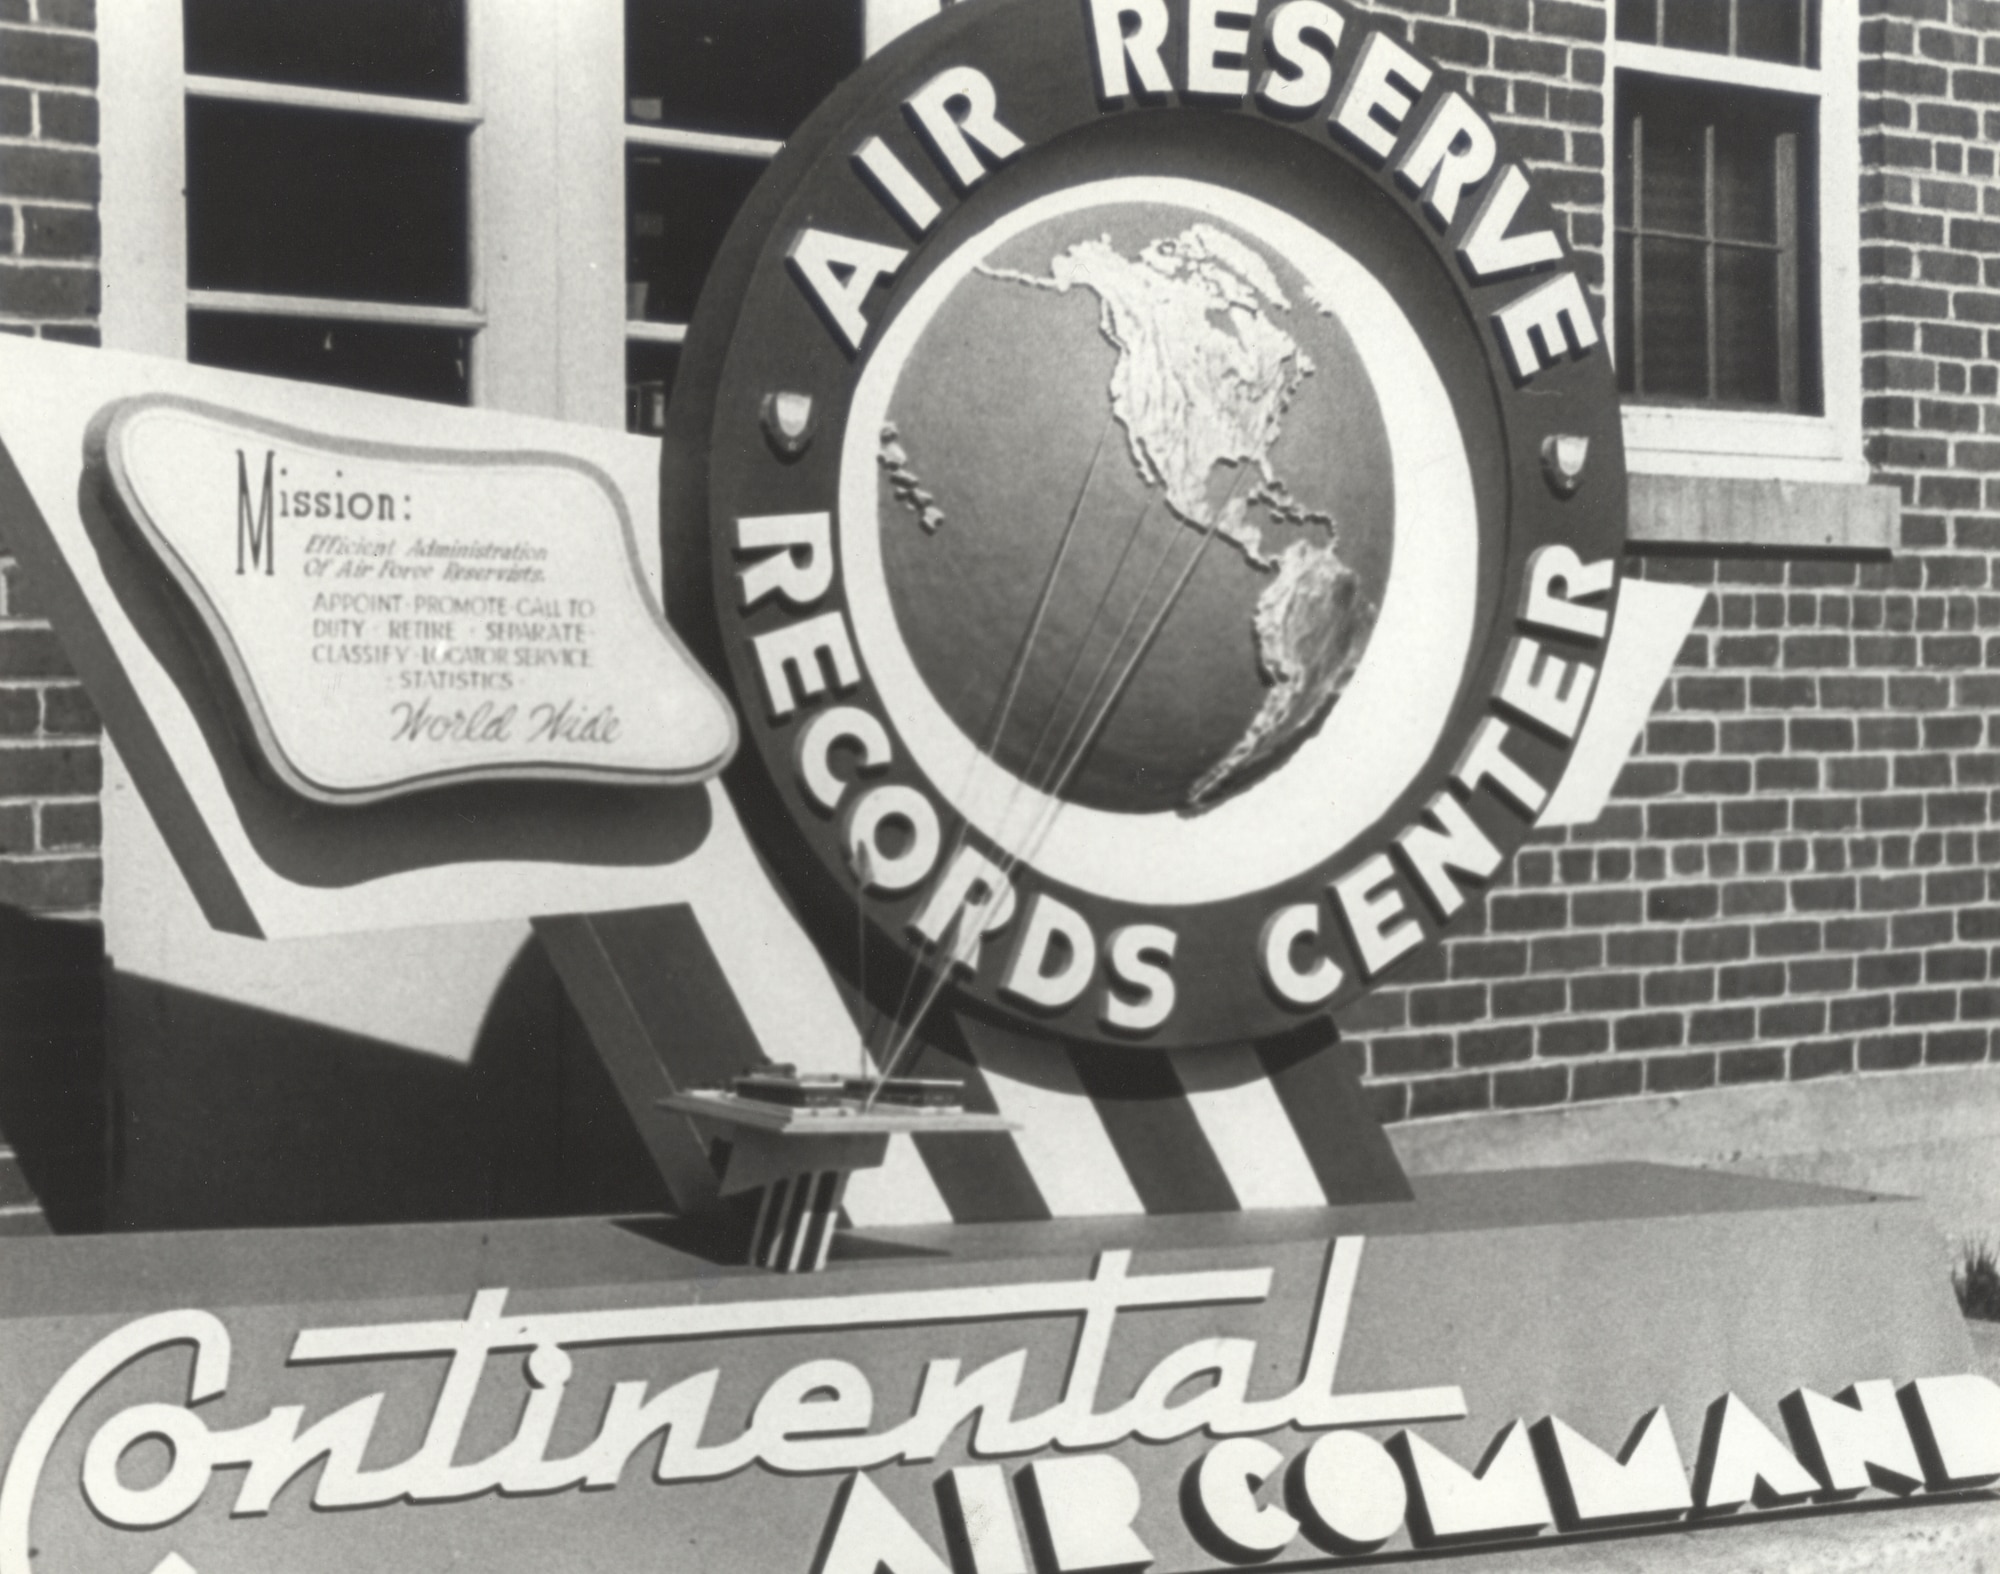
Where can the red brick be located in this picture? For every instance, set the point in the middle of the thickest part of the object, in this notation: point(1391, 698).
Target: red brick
point(1449, 1096)
point(62, 174)
point(44, 770)
point(48, 292)
point(54, 58)
point(50, 884)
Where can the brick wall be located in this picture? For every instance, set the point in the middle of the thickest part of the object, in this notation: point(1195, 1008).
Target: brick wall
point(48, 286)
point(51, 986)
point(1792, 880)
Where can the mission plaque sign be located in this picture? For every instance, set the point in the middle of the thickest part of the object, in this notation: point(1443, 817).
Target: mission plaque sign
point(1165, 498)
point(391, 618)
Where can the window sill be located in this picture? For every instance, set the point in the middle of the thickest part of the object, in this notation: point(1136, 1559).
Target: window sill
point(1751, 445)
point(1766, 515)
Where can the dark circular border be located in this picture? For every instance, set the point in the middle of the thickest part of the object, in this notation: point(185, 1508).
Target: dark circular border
point(755, 332)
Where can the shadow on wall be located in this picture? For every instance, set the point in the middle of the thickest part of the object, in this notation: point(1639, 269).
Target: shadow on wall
point(52, 1102)
point(224, 1116)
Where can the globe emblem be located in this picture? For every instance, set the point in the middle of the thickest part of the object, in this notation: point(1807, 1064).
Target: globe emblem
point(1136, 509)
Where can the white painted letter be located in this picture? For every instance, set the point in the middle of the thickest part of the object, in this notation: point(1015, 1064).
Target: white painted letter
point(1141, 46)
point(951, 136)
point(799, 647)
point(1371, 901)
point(800, 565)
point(892, 179)
point(1504, 1497)
point(1139, 954)
point(1487, 249)
point(1086, 1505)
point(1209, 43)
point(1557, 580)
point(1961, 1414)
point(1540, 327)
point(1855, 1440)
point(1226, 1483)
point(1486, 759)
point(1354, 1491)
point(871, 1536)
point(1284, 930)
point(1646, 1482)
point(1741, 1461)
point(973, 897)
point(811, 755)
point(876, 869)
point(1379, 91)
point(1544, 688)
point(1452, 840)
point(1453, 149)
point(1290, 24)
point(837, 272)
point(1028, 977)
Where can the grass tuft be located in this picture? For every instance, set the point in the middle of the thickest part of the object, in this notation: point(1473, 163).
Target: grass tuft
point(1977, 1280)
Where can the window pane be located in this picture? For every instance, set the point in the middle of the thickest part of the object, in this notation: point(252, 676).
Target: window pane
point(1746, 326)
point(1698, 24)
point(1639, 21)
point(1673, 332)
point(678, 209)
point(1672, 171)
point(303, 202)
point(649, 384)
point(1771, 30)
point(1746, 193)
point(751, 67)
point(415, 48)
point(418, 363)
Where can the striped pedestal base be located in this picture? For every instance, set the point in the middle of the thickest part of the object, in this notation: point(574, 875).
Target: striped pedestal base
point(795, 1220)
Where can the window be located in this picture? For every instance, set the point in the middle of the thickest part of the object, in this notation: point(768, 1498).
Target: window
point(1734, 237)
point(712, 89)
point(328, 149)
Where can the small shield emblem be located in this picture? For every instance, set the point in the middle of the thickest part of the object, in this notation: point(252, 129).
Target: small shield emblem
point(1563, 457)
point(788, 423)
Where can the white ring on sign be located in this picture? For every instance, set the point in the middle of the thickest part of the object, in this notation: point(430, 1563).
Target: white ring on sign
point(1377, 737)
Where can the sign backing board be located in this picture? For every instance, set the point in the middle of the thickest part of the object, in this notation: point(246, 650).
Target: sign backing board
point(1164, 500)
point(1196, 1395)
point(261, 859)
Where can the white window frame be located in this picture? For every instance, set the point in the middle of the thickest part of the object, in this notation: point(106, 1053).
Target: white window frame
point(1682, 440)
point(546, 305)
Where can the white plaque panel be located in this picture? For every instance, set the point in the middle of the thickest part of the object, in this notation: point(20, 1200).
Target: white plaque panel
point(394, 618)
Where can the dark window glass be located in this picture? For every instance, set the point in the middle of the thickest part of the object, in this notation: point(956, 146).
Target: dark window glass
point(1714, 213)
point(649, 384)
point(748, 67)
point(1697, 24)
point(1747, 341)
point(413, 48)
point(1673, 332)
point(305, 202)
point(1776, 30)
point(1639, 21)
point(417, 363)
point(678, 209)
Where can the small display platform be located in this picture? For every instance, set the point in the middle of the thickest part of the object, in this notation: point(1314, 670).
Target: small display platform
point(1511, 1360)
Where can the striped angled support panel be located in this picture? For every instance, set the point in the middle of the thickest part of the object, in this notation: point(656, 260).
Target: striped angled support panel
point(1102, 1132)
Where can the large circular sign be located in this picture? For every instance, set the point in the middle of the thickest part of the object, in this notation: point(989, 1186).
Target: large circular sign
point(1164, 494)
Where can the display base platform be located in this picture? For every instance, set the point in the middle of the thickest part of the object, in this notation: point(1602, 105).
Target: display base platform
point(1201, 1392)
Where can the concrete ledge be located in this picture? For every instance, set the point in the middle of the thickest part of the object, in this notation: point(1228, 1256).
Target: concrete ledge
point(1928, 1134)
point(1766, 516)
point(1925, 1538)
